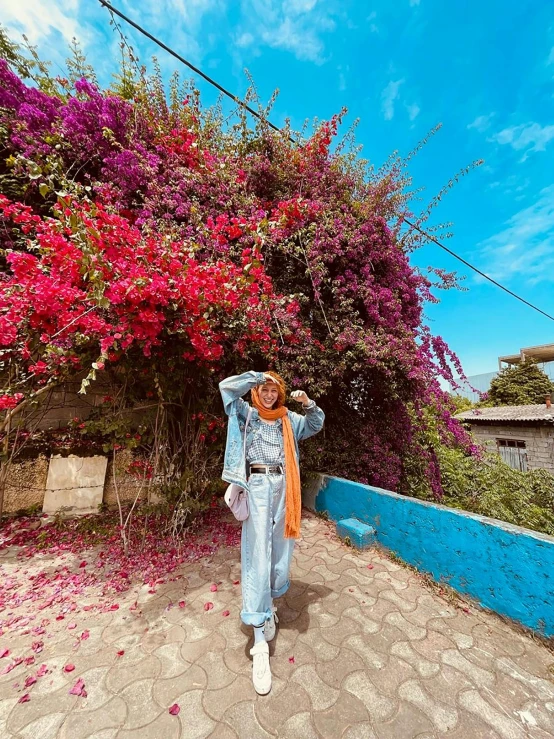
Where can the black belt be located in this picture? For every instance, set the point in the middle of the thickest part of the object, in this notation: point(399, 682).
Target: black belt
point(266, 469)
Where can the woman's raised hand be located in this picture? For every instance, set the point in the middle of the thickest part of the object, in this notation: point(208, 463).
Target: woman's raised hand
point(300, 396)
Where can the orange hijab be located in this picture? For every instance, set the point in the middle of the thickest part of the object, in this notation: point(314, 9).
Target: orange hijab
point(293, 500)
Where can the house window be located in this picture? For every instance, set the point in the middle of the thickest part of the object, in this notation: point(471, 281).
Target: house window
point(513, 452)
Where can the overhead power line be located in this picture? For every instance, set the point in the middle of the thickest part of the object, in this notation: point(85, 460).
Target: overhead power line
point(255, 113)
point(182, 59)
point(490, 279)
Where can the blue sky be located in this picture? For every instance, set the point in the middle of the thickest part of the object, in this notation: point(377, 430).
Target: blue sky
point(485, 70)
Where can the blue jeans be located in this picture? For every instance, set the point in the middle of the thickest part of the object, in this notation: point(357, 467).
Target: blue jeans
point(265, 553)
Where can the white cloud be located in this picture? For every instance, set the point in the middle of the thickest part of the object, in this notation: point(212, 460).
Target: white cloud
point(296, 7)
point(524, 249)
point(343, 73)
point(413, 3)
point(245, 39)
point(482, 122)
point(179, 23)
point(550, 59)
point(373, 27)
point(413, 111)
point(388, 98)
point(292, 25)
point(38, 18)
point(292, 37)
point(528, 136)
point(513, 186)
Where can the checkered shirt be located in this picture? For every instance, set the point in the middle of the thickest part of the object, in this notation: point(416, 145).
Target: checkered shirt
point(267, 444)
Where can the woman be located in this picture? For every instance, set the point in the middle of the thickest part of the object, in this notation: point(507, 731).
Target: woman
point(261, 456)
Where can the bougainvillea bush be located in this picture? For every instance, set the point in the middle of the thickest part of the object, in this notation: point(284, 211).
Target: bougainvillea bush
point(149, 244)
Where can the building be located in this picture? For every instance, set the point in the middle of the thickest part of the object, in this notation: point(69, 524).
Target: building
point(477, 384)
point(523, 435)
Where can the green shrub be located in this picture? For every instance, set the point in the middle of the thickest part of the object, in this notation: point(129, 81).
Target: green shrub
point(490, 487)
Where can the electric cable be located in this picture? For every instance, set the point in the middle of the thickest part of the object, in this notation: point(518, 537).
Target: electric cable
point(182, 59)
point(276, 128)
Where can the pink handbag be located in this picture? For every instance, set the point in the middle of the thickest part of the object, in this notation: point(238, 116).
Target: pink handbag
point(237, 500)
point(235, 496)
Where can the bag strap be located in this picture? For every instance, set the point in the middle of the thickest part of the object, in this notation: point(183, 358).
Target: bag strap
point(245, 430)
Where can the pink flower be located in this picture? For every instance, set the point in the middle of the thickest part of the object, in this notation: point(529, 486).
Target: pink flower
point(213, 587)
point(69, 668)
point(291, 660)
point(208, 606)
point(24, 698)
point(79, 688)
point(174, 709)
point(226, 613)
point(4, 652)
point(121, 653)
point(182, 604)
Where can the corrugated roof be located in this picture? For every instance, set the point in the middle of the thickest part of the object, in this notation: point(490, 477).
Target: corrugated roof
point(507, 413)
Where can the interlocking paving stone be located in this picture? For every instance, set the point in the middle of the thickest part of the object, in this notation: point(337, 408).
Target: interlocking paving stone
point(479, 677)
point(423, 666)
point(284, 701)
point(380, 707)
point(322, 695)
point(408, 721)
point(216, 702)
point(82, 723)
point(443, 717)
point(299, 726)
point(348, 710)
point(373, 660)
point(499, 720)
point(359, 731)
point(242, 719)
point(195, 723)
point(165, 692)
point(45, 727)
point(365, 649)
point(142, 709)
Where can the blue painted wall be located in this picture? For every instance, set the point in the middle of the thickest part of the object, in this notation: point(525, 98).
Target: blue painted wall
point(505, 568)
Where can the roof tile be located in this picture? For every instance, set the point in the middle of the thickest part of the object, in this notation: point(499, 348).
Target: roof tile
point(507, 413)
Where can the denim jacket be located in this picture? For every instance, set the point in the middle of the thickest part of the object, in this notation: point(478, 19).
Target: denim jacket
point(232, 388)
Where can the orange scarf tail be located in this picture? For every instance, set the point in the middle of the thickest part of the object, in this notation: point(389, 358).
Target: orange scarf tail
point(293, 499)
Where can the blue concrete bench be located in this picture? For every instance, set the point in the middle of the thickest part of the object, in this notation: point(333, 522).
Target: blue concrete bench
point(359, 534)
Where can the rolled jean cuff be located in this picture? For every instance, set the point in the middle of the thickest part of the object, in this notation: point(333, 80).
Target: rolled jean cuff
point(282, 590)
point(255, 619)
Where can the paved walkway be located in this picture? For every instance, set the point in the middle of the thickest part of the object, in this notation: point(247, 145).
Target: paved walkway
point(364, 649)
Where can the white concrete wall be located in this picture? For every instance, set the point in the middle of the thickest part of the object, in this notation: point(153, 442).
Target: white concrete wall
point(539, 441)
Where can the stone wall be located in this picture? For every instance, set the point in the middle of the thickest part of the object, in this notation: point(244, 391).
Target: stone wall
point(539, 441)
point(64, 403)
point(506, 568)
point(26, 483)
point(127, 486)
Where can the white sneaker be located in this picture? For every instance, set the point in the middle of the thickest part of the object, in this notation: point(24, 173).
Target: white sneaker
point(261, 671)
point(270, 627)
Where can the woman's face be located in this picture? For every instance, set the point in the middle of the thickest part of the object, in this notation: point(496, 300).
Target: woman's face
point(268, 395)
